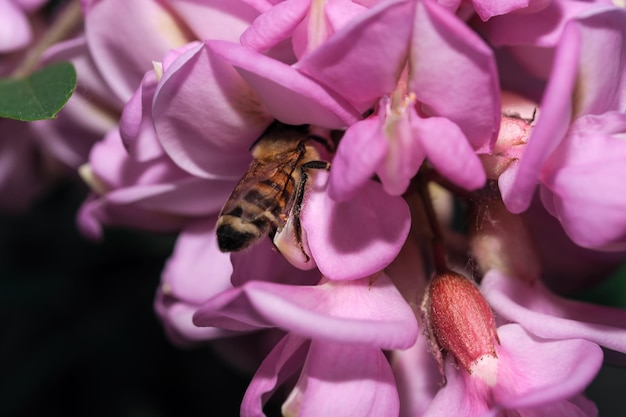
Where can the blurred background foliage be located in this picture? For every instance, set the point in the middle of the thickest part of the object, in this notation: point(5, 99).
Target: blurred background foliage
point(79, 336)
point(78, 333)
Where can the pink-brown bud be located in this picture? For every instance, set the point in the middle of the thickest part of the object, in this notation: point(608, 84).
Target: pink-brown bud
point(516, 125)
point(460, 322)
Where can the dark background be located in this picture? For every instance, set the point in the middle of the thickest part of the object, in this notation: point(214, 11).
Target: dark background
point(78, 336)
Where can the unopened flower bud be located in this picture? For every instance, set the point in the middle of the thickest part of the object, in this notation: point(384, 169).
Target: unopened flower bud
point(460, 322)
point(517, 122)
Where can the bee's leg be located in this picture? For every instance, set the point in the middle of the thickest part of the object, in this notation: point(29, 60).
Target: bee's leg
point(328, 144)
point(297, 207)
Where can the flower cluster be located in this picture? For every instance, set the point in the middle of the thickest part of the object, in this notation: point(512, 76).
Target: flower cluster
point(336, 141)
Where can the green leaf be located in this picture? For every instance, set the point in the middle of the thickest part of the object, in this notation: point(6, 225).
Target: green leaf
point(38, 96)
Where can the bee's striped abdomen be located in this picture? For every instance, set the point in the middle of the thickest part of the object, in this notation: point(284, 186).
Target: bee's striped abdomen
point(260, 209)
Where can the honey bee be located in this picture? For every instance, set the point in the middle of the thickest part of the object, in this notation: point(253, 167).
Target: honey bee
point(272, 189)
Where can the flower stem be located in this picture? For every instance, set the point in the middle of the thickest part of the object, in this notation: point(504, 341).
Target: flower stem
point(438, 247)
point(66, 22)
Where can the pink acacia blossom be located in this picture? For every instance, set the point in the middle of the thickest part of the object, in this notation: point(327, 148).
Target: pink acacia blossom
point(153, 195)
point(186, 284)
point(551, 317)
point(416, 115)
point(530, 377)
point(134, 179)
point(555, 157)
point(410, 92)
point(499, 370)
point(347, 321)
point(256, 83)
point(307, 23)
point(15, 28)
point(139, 22)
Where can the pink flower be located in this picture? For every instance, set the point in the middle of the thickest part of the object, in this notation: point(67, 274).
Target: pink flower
point(411, 93)
point(504, 370)
point(581, 104)
point(331, 373)
point(136, 182)
point(551, 317)
point(309, 23)
point(15, 29)
point(580, 182)
point(197, 271)
point(144, 22)
point(419, 116)
point(224, 154)
point(153, 195)
point(349, 321)
point(530, 376)
point(194, 273)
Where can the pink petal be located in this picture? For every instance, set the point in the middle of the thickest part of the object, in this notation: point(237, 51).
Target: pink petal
point(339, 13)
point(282, 362)
point(264, 263)
point(15, 30)
point(367, 311)
point(112, 165)
point(472, 101)
point(352, 169)
point(215, 19)
point(416, 389)
point(487, 9)
point(187, 197)
point(176, 317)
point(447, 148)
point(136, 124)
point(358, 237)
point(206, 116)
point(542, 29)
point(197, 270)
point(535, 372)
point(96, 212)
point(552, 317)
point(583, 184)
point(334, 373)
point(461, 396)
point(291, 97)
point(518, 183)
point(262, 5)
point(602, 63)
point(405, 154)
point(141, 22)
point(345, 61)
point(275, 25)
point(29, 5)
point(531, 374)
